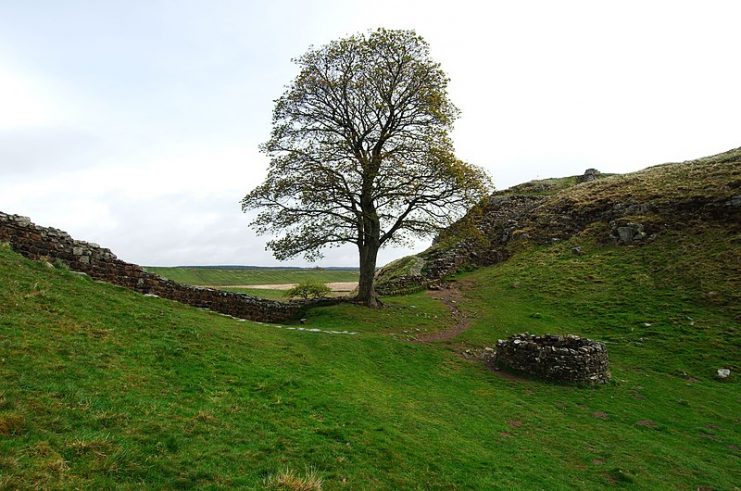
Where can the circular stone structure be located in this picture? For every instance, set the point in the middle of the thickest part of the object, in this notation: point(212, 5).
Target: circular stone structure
point(560, 358)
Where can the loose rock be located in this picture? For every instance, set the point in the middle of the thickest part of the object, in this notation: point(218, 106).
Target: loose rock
point(723, 373)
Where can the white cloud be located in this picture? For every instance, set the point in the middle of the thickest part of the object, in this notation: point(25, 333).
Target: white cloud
point(24, 103)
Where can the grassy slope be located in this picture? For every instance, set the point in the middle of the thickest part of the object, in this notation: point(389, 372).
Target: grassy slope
point(103, 387)
point(663, 311)
point(222, 277)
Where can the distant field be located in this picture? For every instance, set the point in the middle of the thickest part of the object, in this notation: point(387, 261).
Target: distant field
point(252, 276)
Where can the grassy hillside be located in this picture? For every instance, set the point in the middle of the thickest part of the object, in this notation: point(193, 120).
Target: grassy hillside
point(660, 200)
point(106, 388)
point(251, 276)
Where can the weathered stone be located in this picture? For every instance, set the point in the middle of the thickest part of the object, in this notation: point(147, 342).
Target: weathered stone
point(21, 221)
point(628, 233)
point(569, 359)
point(723, 373)
point(590, 175)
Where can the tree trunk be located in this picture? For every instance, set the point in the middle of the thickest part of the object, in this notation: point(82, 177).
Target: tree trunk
point(369, 234)
point(366, 291)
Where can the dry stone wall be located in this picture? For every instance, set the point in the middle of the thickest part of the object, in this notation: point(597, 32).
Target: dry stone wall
point(402, 285)
point(100, 263)
point(559, 358)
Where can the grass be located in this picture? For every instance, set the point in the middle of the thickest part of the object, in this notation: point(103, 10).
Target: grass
point(105, 388)
point(291, 481)
point(252, 276)
point(717, 177)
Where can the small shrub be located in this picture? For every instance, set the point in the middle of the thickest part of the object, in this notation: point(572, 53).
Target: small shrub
point(309, 290)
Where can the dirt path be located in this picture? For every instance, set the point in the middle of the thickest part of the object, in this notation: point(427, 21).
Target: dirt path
point(451, 297)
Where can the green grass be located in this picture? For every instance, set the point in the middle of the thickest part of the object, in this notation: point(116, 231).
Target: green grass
point(105, 388)
point(251, 276)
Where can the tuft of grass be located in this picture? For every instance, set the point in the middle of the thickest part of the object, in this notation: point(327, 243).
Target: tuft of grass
point(11, 424)
point(100, 447)
point(290, 480)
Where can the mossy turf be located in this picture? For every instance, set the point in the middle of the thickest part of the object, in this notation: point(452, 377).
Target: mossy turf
point(104, 388)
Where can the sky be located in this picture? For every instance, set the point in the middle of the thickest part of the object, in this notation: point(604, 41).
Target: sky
point(136, 124)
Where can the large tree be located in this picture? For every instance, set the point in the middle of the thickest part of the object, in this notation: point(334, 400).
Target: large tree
point(360, 153)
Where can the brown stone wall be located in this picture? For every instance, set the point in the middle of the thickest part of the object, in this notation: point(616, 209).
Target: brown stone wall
point(37, 242)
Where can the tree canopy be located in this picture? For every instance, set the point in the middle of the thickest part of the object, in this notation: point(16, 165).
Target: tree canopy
point(360, 152)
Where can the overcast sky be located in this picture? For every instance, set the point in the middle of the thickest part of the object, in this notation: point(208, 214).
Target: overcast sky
point(135, 124)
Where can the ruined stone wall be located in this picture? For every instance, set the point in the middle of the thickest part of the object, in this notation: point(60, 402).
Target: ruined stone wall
point(403, 285)
point(37, 242)
point(559, 358)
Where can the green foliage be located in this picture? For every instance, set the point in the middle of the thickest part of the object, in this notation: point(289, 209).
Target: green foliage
point(309, 290)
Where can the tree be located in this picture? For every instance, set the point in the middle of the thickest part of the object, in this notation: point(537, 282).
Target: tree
point(360, 153)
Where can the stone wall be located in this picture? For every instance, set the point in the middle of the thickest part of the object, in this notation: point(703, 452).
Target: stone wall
point(37, 242)
point(402, 285)
point(559, 358)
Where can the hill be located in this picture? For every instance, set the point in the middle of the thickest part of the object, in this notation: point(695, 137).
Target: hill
point(631, 209)
point(106, 388)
